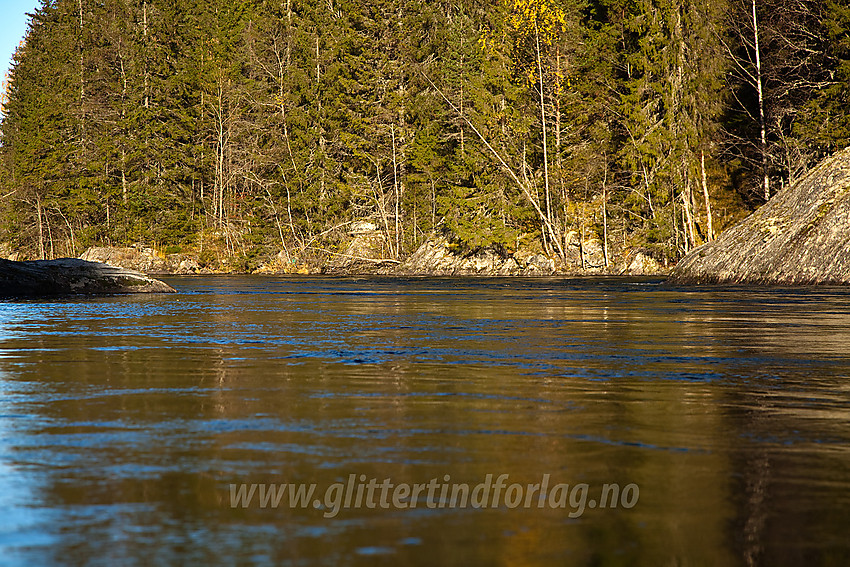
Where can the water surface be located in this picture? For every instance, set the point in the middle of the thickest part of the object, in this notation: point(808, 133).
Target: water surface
point(124, 422)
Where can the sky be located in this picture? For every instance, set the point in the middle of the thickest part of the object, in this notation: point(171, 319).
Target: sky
point(13, 25)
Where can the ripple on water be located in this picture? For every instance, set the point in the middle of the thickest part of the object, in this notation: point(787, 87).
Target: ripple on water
point(124, 420)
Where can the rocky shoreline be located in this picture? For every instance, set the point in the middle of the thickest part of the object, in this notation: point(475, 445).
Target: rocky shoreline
point(365, 255)
point(367, 252)
point(799, 237)
point(436, 257)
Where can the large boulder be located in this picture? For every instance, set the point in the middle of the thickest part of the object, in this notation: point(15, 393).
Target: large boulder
point(435, 257)
point(68, 276)
point(143, 259)
point(801, 236)
point(640, 263)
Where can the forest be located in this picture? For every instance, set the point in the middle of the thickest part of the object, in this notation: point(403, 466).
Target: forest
point(240, 128)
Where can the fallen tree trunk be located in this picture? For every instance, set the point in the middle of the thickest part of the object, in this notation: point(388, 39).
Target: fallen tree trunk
point(68, 276)
point(800, 237)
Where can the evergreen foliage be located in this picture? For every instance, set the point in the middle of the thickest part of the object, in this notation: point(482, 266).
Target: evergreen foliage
point(269, 124)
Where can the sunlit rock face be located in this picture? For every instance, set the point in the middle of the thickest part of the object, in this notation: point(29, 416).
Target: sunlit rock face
point(801, 236)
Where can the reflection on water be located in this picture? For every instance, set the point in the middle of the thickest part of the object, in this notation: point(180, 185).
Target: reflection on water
point(124, 421)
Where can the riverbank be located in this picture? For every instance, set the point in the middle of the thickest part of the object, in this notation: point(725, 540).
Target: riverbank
point(366, 253)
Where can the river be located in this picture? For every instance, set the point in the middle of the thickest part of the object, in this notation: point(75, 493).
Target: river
point(427, 421)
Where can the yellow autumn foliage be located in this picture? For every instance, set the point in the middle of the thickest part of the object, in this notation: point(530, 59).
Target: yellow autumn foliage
point(542, 17)
point(527, 23)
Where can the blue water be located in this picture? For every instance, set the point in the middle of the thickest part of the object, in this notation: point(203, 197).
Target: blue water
point(125, 420)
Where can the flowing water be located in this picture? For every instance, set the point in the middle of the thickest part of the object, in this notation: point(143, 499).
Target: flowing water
point(438, 421)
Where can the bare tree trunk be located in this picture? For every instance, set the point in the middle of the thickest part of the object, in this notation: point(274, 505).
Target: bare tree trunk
point(433, 203)
point(690, 239)
point(50, 241)
point(218, 195)
point(581, 239)
point(288, 56)
point(382, 208)
point(605, 215)
point(200, 164)
point(82, 66)
point(286, 130)
point(40, 228)
point(283, 70)
point(124, 195)
point(709, 221)
point(558, 107)
point(395, 188)
point(289, 210)
point(545, 235)
point(543, 126)
point(321, 129)
point(762, 124)
point(145, 34)
point(462, 147)
point(123, 116)
point(675, 251)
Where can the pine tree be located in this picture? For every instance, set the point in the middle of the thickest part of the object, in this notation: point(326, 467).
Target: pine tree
point(41, 133)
